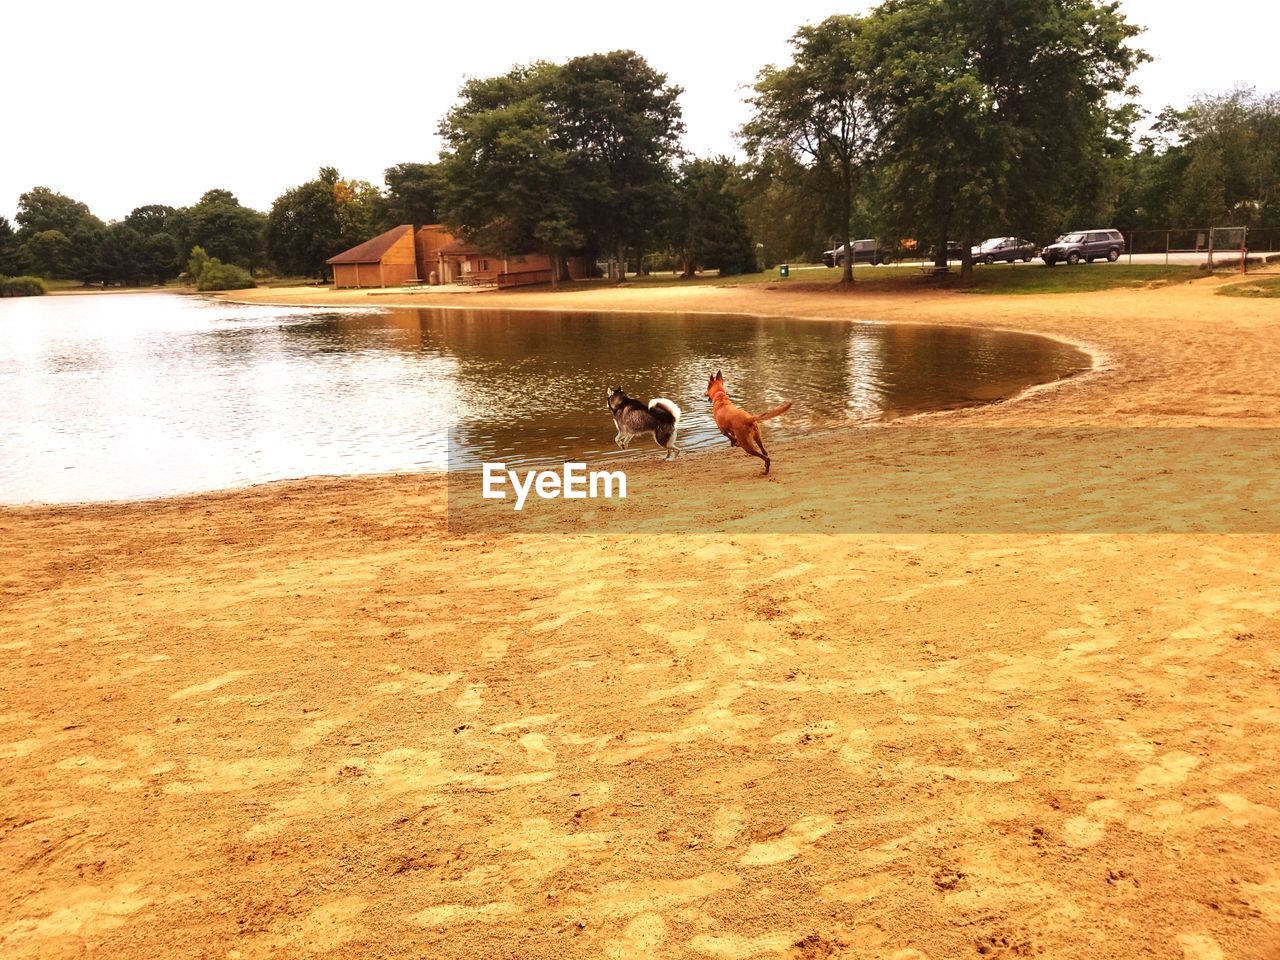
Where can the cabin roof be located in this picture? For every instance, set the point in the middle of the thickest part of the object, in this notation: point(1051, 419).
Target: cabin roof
point(371, 251)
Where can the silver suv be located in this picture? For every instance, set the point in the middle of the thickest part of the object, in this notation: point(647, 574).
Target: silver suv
point(864, 251)
point(1086, 245)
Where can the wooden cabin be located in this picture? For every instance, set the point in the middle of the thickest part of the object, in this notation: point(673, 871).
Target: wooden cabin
point(388, 260)
point(432, 255)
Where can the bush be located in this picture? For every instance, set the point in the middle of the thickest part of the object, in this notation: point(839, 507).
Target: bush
point(210, 273)
point(22, 287)
point(196, 264)
point(217, 275)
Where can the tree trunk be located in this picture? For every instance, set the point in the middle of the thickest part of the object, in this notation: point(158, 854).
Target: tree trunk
point(555, 269)
point(847, 275)
point(622, 262)
point(940, 263)
point(966, 263)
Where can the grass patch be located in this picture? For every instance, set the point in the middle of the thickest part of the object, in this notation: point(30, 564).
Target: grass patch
point(712, 278)
point(77, 286)
point(1082, 278)
point(274, 282)
point(1263, 287)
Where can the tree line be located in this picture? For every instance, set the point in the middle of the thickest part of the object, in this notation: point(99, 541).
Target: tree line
point(927, 122)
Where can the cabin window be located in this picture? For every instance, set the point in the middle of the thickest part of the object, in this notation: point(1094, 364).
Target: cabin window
point(482, 266)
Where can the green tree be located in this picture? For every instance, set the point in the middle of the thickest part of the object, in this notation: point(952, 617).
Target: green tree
point(792, 221)
point(998, 115)
point(561, 158)
point(196, 262)
point(41, 209)
point(413, 194)
point(160, 228)
point(811, 116)
point(322, 217)
point(618, 124)
point(49, 252)
point(13, 260)
point(1217, 161)
point(226, 228)
point(361, 208)
point(303, 229)
point(707, 228)
point(152, 219)
point(120, 255)
point(505, 174)
point(159, 257)
point(86, 263)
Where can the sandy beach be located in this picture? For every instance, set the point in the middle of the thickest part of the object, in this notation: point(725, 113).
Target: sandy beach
point(306, 720)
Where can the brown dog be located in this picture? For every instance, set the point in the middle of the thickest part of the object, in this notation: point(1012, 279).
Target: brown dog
point(742, 428)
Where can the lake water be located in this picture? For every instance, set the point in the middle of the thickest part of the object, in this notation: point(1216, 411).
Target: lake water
point(129, 396)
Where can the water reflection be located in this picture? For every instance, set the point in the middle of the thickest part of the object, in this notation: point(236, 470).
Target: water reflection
point(129, 396)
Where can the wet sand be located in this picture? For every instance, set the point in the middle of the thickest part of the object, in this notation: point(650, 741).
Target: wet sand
point(305, 720)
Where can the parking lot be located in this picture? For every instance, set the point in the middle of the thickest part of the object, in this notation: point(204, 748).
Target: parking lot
point(1187, 258)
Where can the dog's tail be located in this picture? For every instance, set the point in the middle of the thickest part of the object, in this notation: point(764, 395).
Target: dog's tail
point(663, 403)
point(775, 412)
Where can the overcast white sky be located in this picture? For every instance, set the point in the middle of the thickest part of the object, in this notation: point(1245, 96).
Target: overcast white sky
point(130, 102)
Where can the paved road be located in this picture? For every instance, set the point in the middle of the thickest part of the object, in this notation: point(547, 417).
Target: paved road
point(1146, 259)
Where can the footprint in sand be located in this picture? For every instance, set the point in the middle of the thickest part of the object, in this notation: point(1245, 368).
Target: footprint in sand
point(858, 889)
point(471, 698)
point(495, 646)
point(83, 912)
point(633, 897)
point(639, 940)
point(803, 833)
point(1085, 831)
point(314, 732)
point(449, 914)
point(1199, 946)
point(537, 751)
point(209, 685)
point(325, 928)
point(743, 948)
point(726, 825)
point(1169, 771)
point(682, 641)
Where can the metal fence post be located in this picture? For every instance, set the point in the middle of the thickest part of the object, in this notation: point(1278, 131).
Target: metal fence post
point(1166, 248)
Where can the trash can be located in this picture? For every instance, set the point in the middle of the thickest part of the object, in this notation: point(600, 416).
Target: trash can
point(784, 270)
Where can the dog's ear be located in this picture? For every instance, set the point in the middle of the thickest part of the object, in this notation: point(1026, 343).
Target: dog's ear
point(719, 375)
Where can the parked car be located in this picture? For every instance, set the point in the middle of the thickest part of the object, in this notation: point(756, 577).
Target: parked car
point(1007, 249)
point(1086, 245)
point(864, 251)
point(955, 251)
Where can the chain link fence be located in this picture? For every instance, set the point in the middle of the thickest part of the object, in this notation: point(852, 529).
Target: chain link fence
point(1252, 250)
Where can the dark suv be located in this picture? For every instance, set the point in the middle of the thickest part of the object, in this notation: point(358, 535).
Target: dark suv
point(864, 251)
point(1087, 245)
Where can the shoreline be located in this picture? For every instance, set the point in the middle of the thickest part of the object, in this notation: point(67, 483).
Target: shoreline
point(817, 436)
point(305, 718)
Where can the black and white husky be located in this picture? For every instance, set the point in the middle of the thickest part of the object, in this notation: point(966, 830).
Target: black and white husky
point(633, 419)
